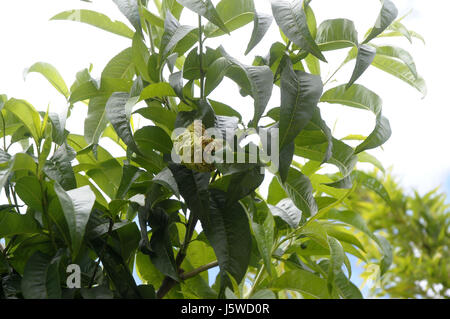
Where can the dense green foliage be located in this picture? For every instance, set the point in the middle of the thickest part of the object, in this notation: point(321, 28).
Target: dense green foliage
point(113, 215)
point(417, 227)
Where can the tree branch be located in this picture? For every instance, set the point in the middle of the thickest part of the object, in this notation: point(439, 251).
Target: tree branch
point(168, 283)
point(199, 270)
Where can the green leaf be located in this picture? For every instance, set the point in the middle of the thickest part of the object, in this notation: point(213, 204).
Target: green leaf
point(276, 192)
point(82, 77)
point(59, 123)
point(51, 74)
point(342, 284)
point(262, 224)
point(288, 212)
point(160, 90)
point(336, 34)
point(203, 112)
point(364, 157)
point(300, 93)
point(228, 232)
point(84, 91)
point(344, 183)
point(286, 157)
point(130, 9)
point(318, 122)
point(166, 179)
point(356, 96)
point(59, 167)
point(174, 32)
point(96, 120)
point(161, 252)
point(387, 15)
point(176, 82)
point(387, 257)
point(153, 19)
point(364, 59)
point(313, 64)
point(141, 56)
point(399, 34)
point(20, 161)
point(234, 13)
point(118, 112)
point(317, 232)
point(244, 183)
point(29, 190)
point(129, 176)
point(4, 267)
point(116, 269)
point(206, 9)
point(221, 109)
point(400, 54)
point(378, 137)
point(160, 116)
point(215, 74)
point(347, 289)
point(77, 205)
point(121, 66)
point(262, 23)
point(291, 18)
point(397, 26)
point(146, 271)
point(41, 278)
point(401, 71)
point(343, 235)
point(360, 97)
point(300, 190)
point(311, 20)
point(96, 19)
point(304, 282)
point(27, 114)
point(193, 187)
point(355, 220)
point(12, 223)
point(258, 82)
point(372, 184)
point(89, 89)
point(336, 259)
point(153, 137)
point(200, 253)
point(191, 67)
point(197, 286)
point(308, 248)
point(350, 218)
point(173, 6)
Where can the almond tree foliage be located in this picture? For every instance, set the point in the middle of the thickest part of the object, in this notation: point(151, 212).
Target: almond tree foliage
point(113, 215)
point(421, 256)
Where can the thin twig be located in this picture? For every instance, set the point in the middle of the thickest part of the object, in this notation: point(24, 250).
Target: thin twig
point(200, 54)
point(257, 280)
point(150, 36)
point(14, 198)
point(199, 270)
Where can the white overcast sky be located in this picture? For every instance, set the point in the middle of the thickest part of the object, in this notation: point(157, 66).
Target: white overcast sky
point(418, 150)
